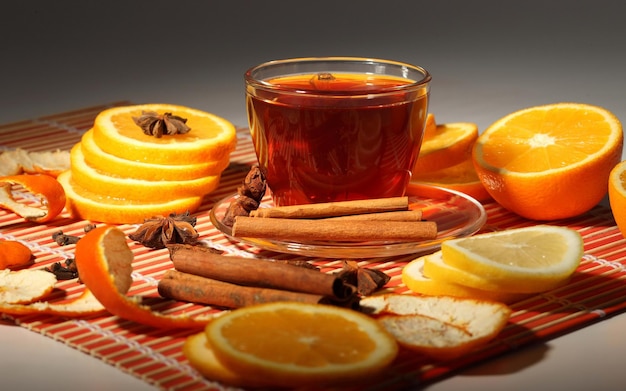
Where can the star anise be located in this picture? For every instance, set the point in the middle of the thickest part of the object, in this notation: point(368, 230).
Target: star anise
point(157, 232)
point(366, 280)
point(155, 124)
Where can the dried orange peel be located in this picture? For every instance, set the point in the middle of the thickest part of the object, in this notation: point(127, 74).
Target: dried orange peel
point(104, 263)
point(21, 290)
point(46, 190)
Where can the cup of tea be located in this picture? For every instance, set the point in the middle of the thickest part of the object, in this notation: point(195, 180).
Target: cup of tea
point(336, 128)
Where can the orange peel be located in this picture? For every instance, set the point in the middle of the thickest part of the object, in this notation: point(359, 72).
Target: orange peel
point(83, 305)
point(46, 189)
point(14, 255)
point(104, 263)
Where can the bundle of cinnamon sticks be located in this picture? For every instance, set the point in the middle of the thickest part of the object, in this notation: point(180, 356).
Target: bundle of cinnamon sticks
point(382, 219)
point(205, 277)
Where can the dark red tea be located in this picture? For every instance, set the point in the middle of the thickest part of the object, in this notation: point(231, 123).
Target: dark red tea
point(338, 138)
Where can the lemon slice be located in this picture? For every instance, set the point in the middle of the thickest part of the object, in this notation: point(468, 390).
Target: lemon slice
point(522, 260)
point(415, 278)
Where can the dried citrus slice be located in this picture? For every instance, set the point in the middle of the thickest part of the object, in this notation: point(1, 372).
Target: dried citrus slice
point(84, 204)
point(460, 177)
point(523, 260)
point(211, 138)
point(83, 305)
point(448, 145)
point(414, 277)
point(104, 263)
point(444, 327)
point(295, 344)
point(18, 161)
point(46, 203)
point(136, 189)
point(549, 162)
point(25, 286)
point(115, 166)
point(617, 195)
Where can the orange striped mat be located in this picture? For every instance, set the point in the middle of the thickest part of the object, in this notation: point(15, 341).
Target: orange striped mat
point(596, 291)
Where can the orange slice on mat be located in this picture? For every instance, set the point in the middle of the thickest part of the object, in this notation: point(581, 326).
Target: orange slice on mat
point(104, 263)
point(87, 205)
point(136, 189)
point(448, 145)
point(461, 177)
point(115, 166)
point(617, 195)
point(549, 162)
point(211, 138)
point(294, 344)
point(45, 201)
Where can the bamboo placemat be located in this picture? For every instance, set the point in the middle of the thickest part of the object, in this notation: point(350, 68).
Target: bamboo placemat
point(596, 291)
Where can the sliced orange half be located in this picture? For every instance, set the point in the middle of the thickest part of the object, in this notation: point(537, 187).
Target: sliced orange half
point(549, 162)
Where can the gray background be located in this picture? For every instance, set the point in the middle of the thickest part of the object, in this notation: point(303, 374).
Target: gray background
point(487, 58)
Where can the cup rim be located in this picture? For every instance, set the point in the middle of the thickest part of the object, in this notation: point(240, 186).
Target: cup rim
point(250, 80)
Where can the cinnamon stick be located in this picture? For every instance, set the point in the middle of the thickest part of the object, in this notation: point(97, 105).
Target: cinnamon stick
point(400, 215)
point(256, 272)
point(201, 290)
point(329, 209)
point(329, 230)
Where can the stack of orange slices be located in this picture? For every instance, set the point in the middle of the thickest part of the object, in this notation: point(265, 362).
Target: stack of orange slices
point(121, 174)
point(445, 158)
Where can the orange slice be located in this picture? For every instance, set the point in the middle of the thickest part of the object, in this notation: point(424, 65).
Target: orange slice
point(136, 189)
point(460, 177)
point(549, 162)
point(104, 263)
point(617, 195)
point(197, 349)
point(296, 344)
point(448, 145)
point(115, 166)
point(87, 205)
point(48, 196)
point(211, 138)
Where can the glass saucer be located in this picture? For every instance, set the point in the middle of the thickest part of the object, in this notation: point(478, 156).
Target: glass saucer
point(457, 215)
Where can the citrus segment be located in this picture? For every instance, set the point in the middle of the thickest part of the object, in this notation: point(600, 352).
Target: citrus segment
point(296, 344)
point(524, 260)
point(115, 166)
point(460, 177)
point(617, 195)
point(87, 205)
point(136, 189)
point(449, 145)
point(414, 277)
point(549, 162)
point(211, 138)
